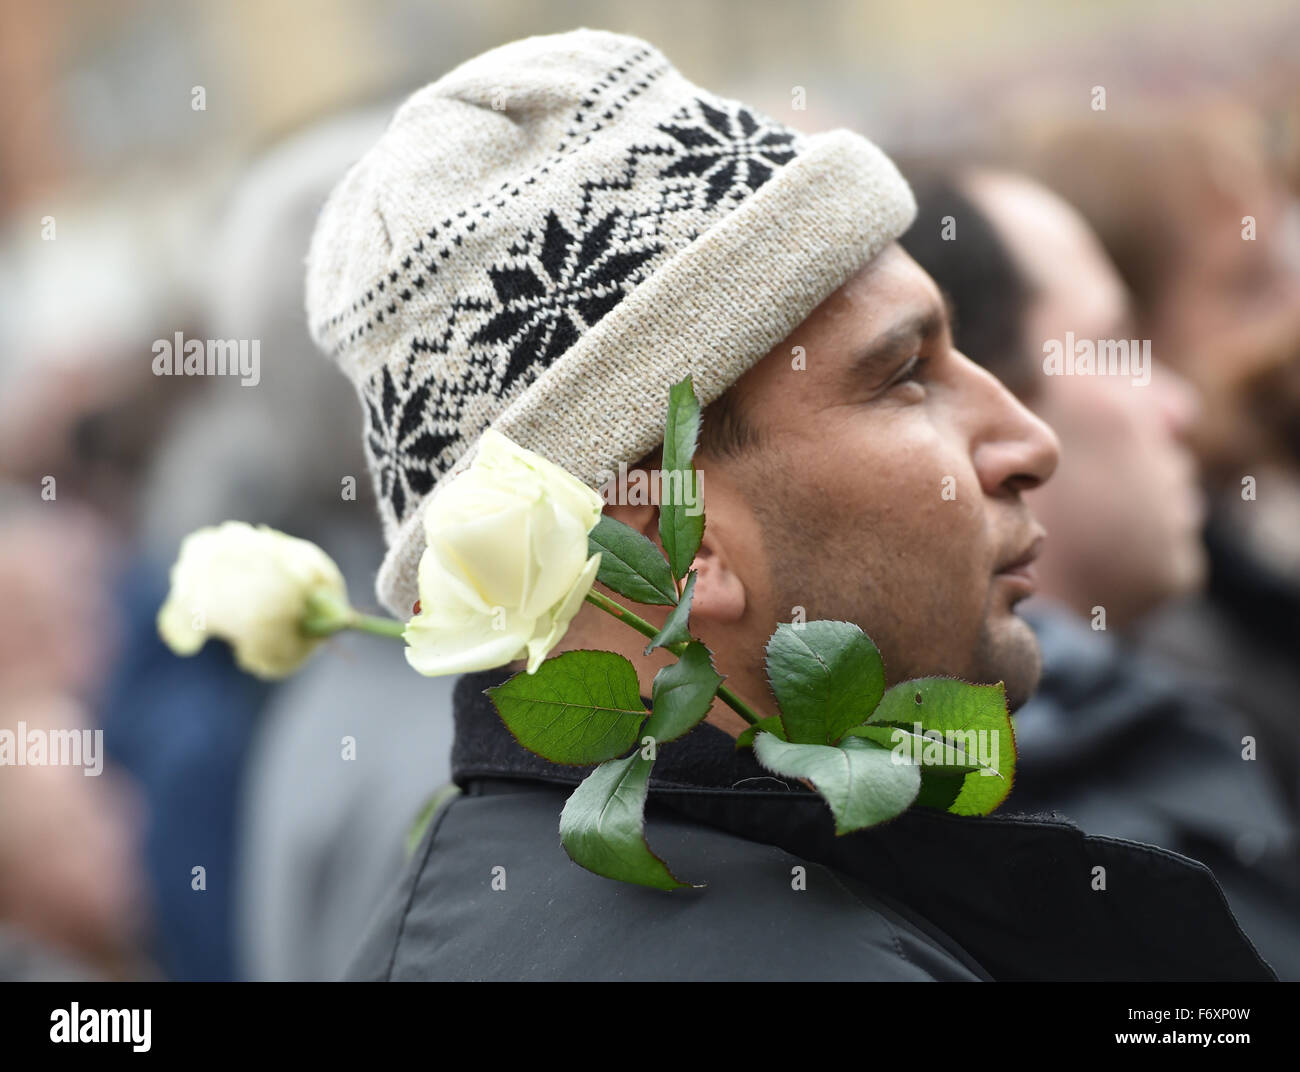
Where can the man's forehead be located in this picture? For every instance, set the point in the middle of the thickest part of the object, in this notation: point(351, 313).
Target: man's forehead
point(889, 294)
point(897, 306)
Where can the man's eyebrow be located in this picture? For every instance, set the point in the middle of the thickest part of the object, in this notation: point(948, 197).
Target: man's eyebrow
point(918, 326)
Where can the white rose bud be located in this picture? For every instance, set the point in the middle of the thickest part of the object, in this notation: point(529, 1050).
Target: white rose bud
point(505, 566)
point(252, 587)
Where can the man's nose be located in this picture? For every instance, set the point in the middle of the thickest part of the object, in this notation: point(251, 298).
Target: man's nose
point(1014, 450)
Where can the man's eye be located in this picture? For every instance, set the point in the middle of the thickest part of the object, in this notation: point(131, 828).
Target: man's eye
point(911, 371)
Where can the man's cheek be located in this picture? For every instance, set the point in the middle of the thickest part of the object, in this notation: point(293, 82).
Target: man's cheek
point(955, 503)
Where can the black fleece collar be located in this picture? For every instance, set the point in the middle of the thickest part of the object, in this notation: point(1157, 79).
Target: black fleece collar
point(705, 758)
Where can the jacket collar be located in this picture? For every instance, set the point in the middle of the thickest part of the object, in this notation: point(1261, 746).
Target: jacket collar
point(706, 758)
point(1017, 892)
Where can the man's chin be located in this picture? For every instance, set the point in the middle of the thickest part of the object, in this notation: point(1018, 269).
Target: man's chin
point(1010, 654)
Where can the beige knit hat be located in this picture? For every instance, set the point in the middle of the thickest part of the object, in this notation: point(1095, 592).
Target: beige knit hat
point(547, 238)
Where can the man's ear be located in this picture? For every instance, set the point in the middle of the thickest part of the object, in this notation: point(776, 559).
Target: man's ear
point(719, 592)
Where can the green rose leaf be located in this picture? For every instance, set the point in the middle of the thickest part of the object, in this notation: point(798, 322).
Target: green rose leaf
point(682, 694)
point(677, 625)
point(932, 753)
point(770, 725)
point(974, 718)
point(603, 825)
point(858, 779)
point(944, 765)
point(827, 677)
point(939, 789)
point(581, 707)
point(681, 508)
point(630, 563)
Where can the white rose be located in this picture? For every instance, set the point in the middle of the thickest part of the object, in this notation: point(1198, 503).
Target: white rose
point(251, 587)
point(505, 566)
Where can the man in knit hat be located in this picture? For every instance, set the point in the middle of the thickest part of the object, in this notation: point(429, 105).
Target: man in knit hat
point(544, 241)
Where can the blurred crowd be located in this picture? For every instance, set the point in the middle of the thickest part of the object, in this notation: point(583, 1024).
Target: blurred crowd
point(229, 838)
point(234, 835)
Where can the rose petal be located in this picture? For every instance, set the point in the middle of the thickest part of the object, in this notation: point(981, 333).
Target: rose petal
point(538, 649)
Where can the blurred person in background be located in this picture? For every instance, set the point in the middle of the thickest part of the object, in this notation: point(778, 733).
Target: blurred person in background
point(1114, 741)
point(223, 763)
point(89, 415)
point(80, 414)
point(72, 903)
point(1206, 234)
point(84, 407)
point(297, 794)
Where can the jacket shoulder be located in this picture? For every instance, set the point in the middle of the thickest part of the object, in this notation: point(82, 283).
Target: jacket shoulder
point(491, 895)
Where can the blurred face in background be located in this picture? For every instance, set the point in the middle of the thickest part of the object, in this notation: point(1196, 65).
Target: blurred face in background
point(1227, 309)
point(1124, 511)
point(1206, 234)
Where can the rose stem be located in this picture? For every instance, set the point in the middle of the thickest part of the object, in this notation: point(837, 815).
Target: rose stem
point(364, 623)
point(645, 628)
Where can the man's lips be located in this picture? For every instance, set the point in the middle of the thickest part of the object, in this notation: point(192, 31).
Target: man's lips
point(1019, 572)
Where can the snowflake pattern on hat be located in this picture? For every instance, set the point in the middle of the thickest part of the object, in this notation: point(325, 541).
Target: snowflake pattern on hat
point(732, 151)
point(578, 278)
